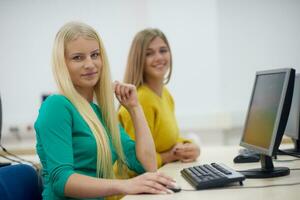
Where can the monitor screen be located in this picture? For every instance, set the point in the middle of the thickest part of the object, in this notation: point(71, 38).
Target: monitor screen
point(292, 127)
point(263, 109)
point(266, 119)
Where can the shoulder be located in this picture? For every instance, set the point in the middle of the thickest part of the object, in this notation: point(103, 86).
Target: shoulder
point(56, 100)
point(168, 95)
point(54, 106)
point(54, 110)
point(166, 92)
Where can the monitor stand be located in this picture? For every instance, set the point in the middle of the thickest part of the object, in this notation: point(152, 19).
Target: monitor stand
point(267, 169)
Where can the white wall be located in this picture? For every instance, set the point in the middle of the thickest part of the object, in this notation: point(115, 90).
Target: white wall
point(254, 35)
point(217, 47)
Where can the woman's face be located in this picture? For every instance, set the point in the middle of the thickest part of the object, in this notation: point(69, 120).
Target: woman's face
point(84, 63)
point(157, 61)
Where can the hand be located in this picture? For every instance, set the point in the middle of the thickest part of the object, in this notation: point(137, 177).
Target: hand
point(126, 95)
point(187, 152)
point(150, 182)
point(169, 156)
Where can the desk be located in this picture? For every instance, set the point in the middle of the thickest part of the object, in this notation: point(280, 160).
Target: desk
point(225, 154)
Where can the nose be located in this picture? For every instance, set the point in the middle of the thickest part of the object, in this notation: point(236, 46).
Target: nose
point(88, 62)
point(158, 56)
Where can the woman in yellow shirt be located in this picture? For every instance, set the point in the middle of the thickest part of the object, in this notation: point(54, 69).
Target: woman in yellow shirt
point(149, 68)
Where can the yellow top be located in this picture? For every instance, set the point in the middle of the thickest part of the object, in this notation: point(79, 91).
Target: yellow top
point(160, 115)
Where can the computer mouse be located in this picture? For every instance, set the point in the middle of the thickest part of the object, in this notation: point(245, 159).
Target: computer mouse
point(174, 188)
point(246, 158)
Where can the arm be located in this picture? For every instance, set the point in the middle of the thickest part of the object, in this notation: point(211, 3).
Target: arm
point(81, 186)
point(54, 133)
point(145, 148)
point(169, 156)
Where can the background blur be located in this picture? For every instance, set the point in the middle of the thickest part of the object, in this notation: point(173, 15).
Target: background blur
point(217, 47)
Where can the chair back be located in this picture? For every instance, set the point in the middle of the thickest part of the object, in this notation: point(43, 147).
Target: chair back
point(19, 182)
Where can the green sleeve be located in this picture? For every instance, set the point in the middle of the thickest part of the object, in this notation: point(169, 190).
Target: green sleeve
point(54, 132)
point(130, 153)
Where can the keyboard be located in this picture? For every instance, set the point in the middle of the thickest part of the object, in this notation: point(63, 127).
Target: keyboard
point(211, 176)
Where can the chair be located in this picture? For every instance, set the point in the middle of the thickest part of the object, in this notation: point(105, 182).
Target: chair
point(19, 182)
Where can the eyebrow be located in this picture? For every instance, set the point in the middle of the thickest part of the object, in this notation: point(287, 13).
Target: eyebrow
point(162, 47)
point(95, 51)
point(79, 53)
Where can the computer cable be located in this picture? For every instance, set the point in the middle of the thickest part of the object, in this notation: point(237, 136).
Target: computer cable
point(22, 159)
point(289, 160)
point(294, 168)
point(246, 187)
point(289, 154)
point(10, 159)
point(264, 186)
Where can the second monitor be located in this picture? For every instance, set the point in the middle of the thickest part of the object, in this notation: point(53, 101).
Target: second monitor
point(293, 125)
point(267, 117)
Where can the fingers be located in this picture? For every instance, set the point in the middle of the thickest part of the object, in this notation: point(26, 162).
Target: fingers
point(157, 183)
point(123, 91)
point(186, 160)
point(188, 152)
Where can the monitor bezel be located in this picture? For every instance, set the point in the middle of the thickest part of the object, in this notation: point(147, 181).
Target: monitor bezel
point(295, 135)
point(268, 151)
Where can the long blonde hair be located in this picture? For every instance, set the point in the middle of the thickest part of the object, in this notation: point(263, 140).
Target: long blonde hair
point(103, 92)
point(134, 73)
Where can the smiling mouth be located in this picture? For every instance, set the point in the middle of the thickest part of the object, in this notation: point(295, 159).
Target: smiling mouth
point(89, 74)
point(159, 66)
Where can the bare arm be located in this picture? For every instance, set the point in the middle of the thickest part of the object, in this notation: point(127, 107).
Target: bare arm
point(81, 186)
point(145, 148)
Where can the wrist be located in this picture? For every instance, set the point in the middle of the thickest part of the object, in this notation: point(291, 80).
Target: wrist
point(167, 157)
point(120, 186)
point(134, 109)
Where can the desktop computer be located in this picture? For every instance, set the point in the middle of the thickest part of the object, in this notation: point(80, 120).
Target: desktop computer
point(266, 119)
point(292, 128)
point(265, 124)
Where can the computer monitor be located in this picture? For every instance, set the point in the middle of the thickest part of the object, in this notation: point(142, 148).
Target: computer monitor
point(292, 128)
point(266, 119)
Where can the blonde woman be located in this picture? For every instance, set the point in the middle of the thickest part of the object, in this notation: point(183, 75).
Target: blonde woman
point(149, 68)
point(78, 137)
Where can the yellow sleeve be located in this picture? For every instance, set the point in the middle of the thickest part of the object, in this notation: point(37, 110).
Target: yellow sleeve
point(158, 160)
point(183, 140)
point(126, 122)
point(171, 102)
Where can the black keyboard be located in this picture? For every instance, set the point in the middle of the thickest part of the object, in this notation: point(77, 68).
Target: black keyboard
point(211, 176)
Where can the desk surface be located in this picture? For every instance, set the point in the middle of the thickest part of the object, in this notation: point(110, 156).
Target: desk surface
point(225, 155)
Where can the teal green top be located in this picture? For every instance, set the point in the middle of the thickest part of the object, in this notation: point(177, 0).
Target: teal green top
point(66, 145)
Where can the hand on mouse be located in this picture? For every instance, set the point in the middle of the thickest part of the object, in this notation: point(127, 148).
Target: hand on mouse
point(150, 182)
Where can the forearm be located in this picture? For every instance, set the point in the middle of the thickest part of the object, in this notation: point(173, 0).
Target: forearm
point(145, 147)
point(81, 186)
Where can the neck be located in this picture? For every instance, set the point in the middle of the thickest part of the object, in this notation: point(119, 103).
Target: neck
point(87, 94)
point(156, 86)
